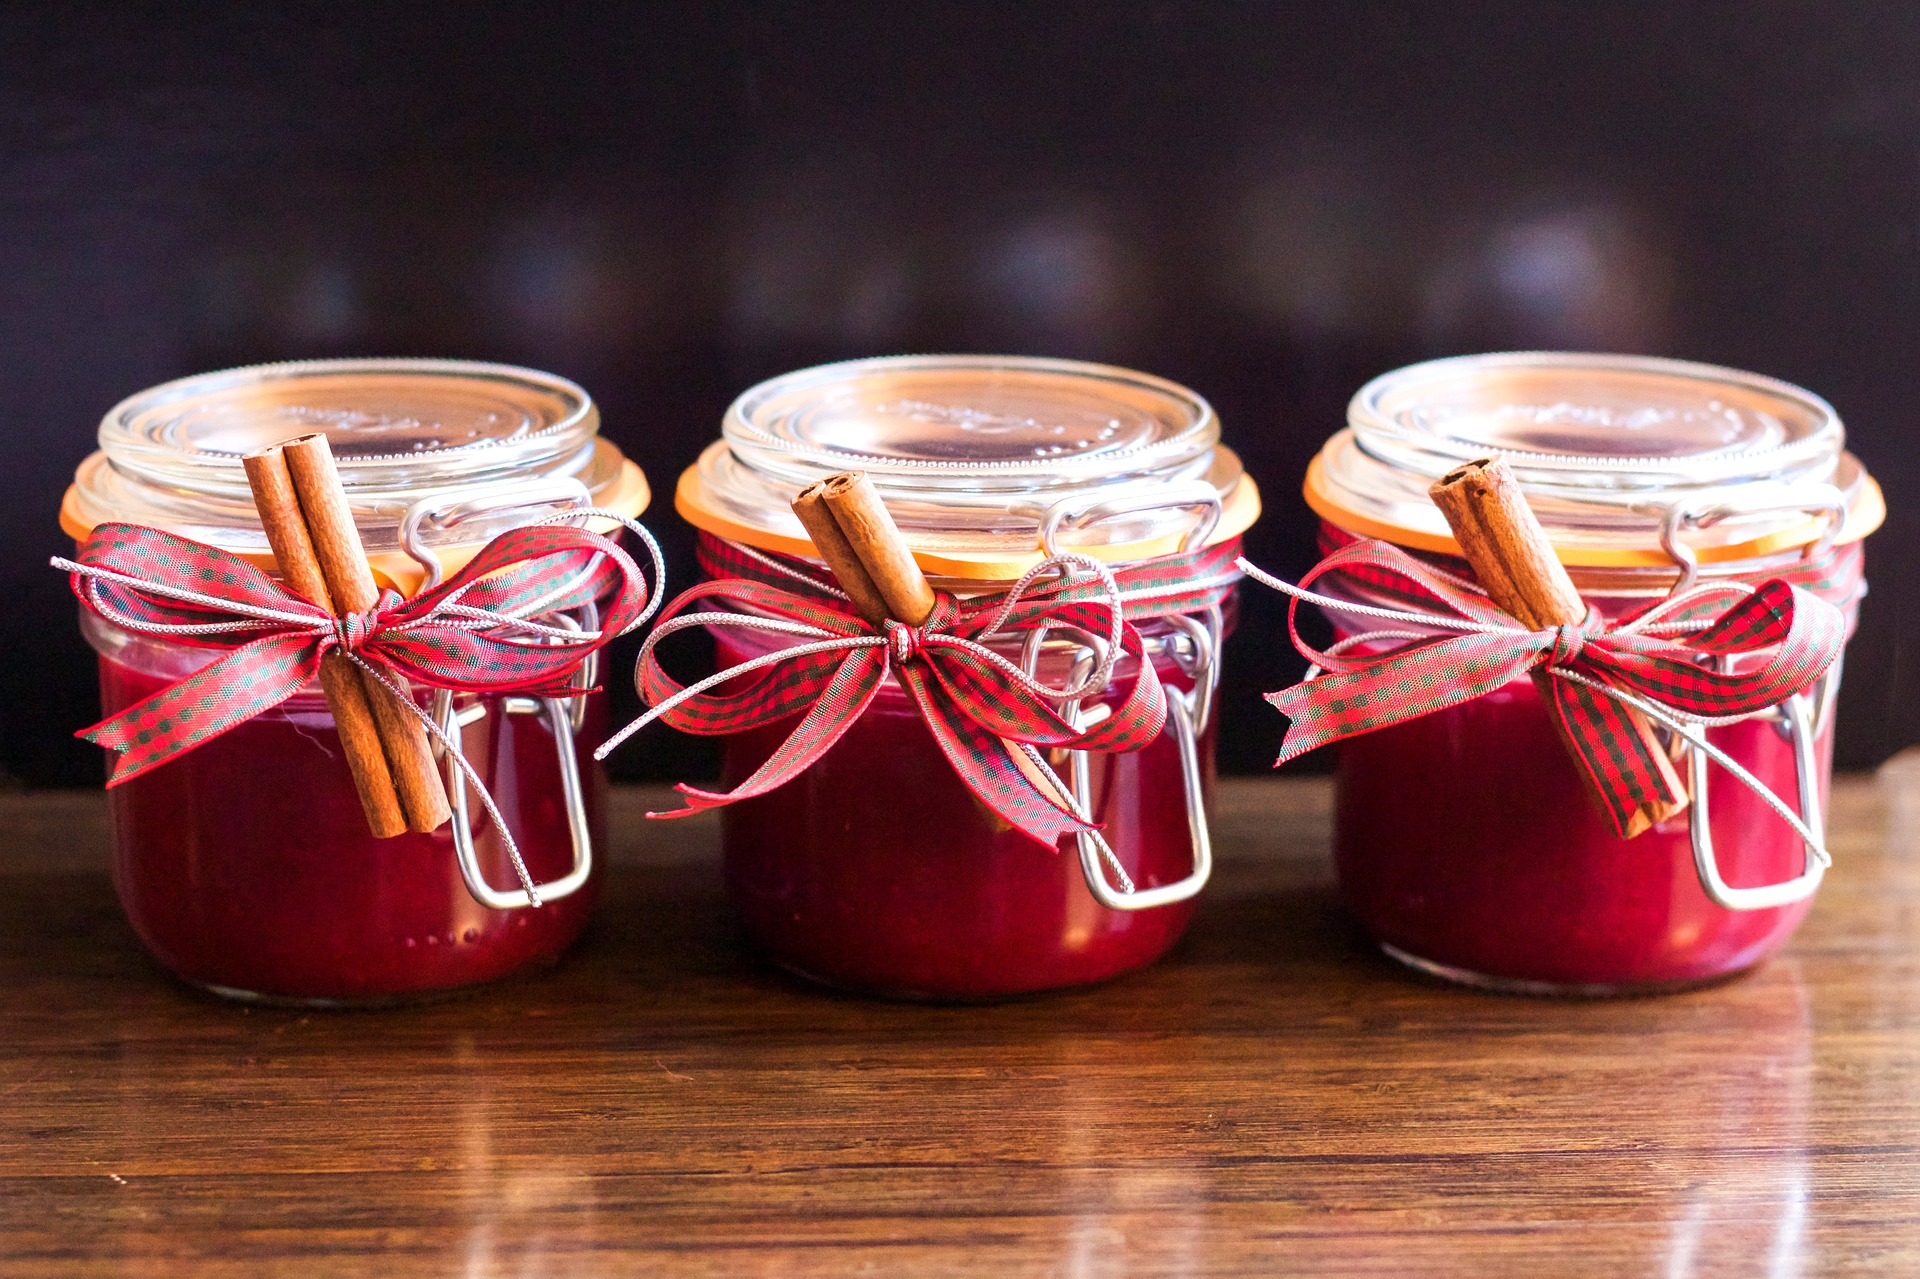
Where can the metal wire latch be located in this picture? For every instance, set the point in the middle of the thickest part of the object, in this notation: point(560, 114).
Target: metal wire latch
point(1801, 719)
point(564, 715)
point(1194, 645)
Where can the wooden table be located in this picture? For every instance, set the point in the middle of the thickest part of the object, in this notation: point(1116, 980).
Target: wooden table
point(1273, 1098)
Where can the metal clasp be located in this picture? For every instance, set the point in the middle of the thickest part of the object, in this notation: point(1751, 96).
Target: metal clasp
point(1800, 719)
point(1817, 499)
point(444, 513)
point(1195, 646)
point(1077, 513)
point(1180, 717)
point(564, 714)
point(573, 795)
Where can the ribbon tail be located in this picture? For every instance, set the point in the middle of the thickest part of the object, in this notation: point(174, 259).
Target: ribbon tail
point(1610, 748)
point(1395, 687)
point(244, 683)
point(845, 698)
point(996, 770)
point(1695, 735)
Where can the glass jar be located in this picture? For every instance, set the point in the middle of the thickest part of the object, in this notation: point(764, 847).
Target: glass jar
point(245, 864)
point(877, 869)
point(1465, 841)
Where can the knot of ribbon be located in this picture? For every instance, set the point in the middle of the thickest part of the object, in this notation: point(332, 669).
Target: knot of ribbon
point(480, 631)
point(990, 717)
point(908, 641)
point(352, 630)
point(1711, 655)
point(1568, 641)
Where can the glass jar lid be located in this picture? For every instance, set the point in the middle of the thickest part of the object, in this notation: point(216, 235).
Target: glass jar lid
point(975, 456)
point(1615, 453)
point(467, 440)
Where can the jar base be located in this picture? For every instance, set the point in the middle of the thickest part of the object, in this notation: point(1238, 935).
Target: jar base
point(897, 995)
point(1554, 989)
point(359, 1003)
point(405, 999)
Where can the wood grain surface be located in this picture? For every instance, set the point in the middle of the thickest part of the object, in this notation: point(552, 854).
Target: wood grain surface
point(1272, 1099)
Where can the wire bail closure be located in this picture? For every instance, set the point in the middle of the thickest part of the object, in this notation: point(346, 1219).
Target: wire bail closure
point(1801, 719)
point(1195, 647)
point(1816, 499)
point(564, 715)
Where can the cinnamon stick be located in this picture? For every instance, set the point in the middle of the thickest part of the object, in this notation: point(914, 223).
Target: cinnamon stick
point(293, 551)
point(1514, 562)
point(856, 507)
point(853, 532)
point(349, 578)
point(838, 552)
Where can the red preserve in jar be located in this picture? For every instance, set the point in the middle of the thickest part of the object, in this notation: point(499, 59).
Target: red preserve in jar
point(1465, 840)
point(245, 864)
point(877, 869)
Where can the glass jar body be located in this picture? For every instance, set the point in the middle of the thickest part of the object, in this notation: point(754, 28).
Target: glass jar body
point(877, 870)
point(246, 867)
point(1465, 843)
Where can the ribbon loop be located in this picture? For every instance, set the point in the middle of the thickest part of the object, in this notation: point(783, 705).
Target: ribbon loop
point(1449, 644)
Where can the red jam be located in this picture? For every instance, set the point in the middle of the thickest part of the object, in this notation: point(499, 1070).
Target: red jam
point(1465, 841)
point(245, 864)
point(877, 870)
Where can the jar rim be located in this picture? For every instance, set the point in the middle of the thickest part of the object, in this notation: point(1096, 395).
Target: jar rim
point(193, 431)
point(974, 454)
point(1618, 455)
point(403, 431)
point(1720, 424)
point(785, 418)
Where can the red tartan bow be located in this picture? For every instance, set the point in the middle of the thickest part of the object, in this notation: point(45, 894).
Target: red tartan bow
point(987, 715)
point(1661, 662)
point(471, 633)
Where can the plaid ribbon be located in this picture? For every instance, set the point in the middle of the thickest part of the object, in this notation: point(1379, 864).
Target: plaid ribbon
point(989, 717)
point(1836, 574)
point(1443, 642)
point(476, 632)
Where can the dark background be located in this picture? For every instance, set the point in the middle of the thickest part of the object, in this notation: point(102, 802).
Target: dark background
point(1270, 203)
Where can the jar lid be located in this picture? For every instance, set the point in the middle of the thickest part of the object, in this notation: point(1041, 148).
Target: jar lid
point(976, 456)
point(480, 446)
point(1615, 453)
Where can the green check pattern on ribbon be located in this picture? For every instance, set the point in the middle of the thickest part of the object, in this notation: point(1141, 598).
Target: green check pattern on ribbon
point(1438, 641)
point(989, 718)
point(468, 634)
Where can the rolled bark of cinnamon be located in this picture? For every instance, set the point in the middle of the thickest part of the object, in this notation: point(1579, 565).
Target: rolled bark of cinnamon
point(1514, 562)
point(875, 567)
point(833, 547)
point(870, 530)
point(279, 508)
point(336, 544)
point(343, 562)
point(856, 536)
